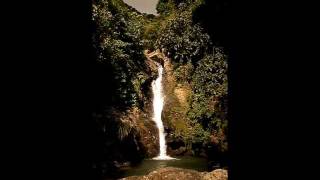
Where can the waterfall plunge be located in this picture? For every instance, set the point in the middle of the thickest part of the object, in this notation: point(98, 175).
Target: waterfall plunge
point(157, 110)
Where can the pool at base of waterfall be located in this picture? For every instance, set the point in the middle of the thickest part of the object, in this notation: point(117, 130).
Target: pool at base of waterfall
point(149, 165)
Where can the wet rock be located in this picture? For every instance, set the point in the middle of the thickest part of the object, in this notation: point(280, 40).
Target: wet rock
point(177, 152)
point(149, 140)
point(121, 165)
point(180, 151)
point(175, 146)
point(189, 153)
point(203, 153)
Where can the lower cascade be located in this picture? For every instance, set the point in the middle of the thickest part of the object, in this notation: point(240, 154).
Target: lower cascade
point(157, 110)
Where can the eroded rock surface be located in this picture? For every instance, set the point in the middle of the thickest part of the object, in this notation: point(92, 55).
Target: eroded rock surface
point(171, 173)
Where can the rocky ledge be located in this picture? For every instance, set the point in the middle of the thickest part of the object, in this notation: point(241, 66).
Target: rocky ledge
point(170, 173)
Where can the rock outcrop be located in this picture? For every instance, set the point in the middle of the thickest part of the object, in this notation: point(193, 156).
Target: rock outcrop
point(218, 174)
point(176, 103)
point(171, 173)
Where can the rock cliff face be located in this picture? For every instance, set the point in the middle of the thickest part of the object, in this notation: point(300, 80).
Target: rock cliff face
point(148, 133)
point(142, 117)
point(176, 103)
point(170, 173)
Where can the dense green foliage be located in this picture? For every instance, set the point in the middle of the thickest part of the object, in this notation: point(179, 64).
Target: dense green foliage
point(199, 64)
point(185, 41)
point(119, 60)
point(166, 7)
point(118, 43)
point(209, 82)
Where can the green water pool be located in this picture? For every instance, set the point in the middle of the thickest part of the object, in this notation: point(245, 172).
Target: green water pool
point(148, 165)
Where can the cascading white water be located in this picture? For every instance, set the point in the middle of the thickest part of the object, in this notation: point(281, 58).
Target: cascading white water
point(157, 110)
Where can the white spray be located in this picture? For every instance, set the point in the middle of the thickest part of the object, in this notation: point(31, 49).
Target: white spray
point(157, 110)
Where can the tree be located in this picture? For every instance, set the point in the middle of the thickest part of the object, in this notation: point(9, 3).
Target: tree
point(183, 40)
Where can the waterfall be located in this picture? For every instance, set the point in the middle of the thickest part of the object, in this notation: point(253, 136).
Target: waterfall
point(157, 110)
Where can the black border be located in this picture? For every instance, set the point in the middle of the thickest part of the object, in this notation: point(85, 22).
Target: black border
point(48, 90)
